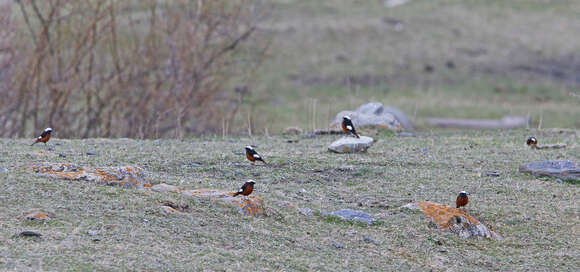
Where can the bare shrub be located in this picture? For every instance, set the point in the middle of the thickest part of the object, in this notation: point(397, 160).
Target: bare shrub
point(114, 68)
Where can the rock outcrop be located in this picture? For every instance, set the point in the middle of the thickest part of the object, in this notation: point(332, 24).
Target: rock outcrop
point(455, 220)
point(126, 176)
point(351, 144)
point(563, 169)
point(250, 205)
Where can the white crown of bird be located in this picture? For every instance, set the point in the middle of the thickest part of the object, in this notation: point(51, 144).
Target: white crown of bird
point(250, 147)
point(251, 181)
point(464, 192)
point(346, 117)
point(48, 129)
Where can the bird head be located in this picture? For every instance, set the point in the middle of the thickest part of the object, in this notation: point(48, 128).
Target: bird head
point(248, 148)
point(48, 130)
point(532, 141)
point(463, 194)
point(346, 117)
point(251, 181)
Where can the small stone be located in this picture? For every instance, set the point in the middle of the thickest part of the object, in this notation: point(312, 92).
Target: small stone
point(492, 173)
point(424, 149)
point(162, 187)
point(157, 141)
point(194, 164)
point(305, 211)
point(92, 153)
point(559, 180)
point(62, 155)
point(309, 135)
point(233, 140)
point(3, 170)
point(338, 245)
point(96, 239)
point(50, 149)
point(37, 216)
point(28, 233)
point(369, 240)
point(292, 141)
point(93, 232)
point(168, 209)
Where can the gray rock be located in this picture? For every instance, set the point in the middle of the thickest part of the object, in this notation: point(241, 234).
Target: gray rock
point(563, 169)
point(62, 155)
point(351, 144)
point(338, 245)
point(92, 153)
point(376, 115)
point(28, 233)
point(355, 215)
point(93, 232)
point(370, 240)
point(3, 170)
point(162, 187)
point(305, 211)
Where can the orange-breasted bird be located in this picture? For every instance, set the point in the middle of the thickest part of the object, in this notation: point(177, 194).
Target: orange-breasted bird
point(532, 142)
point(246, 189)
point(462, 199)
point(44, 137)
point(252, 155)
point(347, 126)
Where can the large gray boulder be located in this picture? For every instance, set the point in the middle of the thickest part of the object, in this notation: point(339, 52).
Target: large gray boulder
point(376, 115)
point(564, 169)
point(351, 144)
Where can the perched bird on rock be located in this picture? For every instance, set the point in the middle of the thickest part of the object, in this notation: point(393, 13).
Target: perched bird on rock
point(462, 199)
point(246, 189)
point(252, 155)
point(347, 126)
point(532, 142)
point(44, 137)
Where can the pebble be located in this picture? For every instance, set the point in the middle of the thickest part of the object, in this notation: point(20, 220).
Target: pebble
point(3, 170)
point(93, 232)
point(305, 211)
point(28, 233)
point(92, 153)
point(338, 245)
point(62, 155)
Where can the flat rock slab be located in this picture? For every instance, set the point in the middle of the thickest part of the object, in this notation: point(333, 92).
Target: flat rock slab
point(126, 176)
point(455, 220)
point(355, 215)
point(247, 205)
point(351, 144)
point(564, 169)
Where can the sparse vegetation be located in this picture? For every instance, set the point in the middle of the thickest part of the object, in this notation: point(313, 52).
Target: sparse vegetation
point(536, 217)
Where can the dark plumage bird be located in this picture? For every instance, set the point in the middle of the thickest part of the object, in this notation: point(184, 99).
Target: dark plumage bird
point(44, 137)
point(252, 155)
point(532, 142)
point(462, 199)
point(347, 126)
point(246, 189)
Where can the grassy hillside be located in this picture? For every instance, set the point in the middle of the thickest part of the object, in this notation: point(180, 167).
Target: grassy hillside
point(486, 58)
point(538, 218)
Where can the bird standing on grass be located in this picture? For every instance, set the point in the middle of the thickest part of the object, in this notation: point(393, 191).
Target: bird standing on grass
point(252, 155)
point(462, 199)
point(532, 142)
point(246, 189)
point(347, 126)
point(44, 137)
